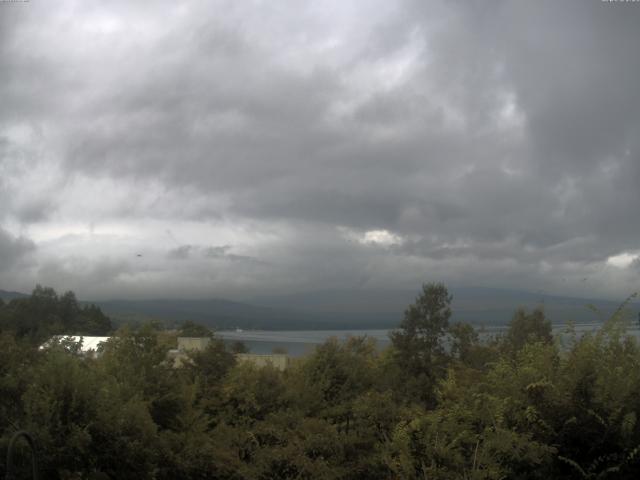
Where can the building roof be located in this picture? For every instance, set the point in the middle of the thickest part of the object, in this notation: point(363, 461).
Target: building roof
point(89, 343)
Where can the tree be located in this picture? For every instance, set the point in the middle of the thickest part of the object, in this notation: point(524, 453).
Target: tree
point(335, 375)
point(193, 329)
point(463, 338)
point(44, 314)
point(527, 328)
point(239, 347)
point(84, 421)
point(91, 321)
point(208, 367)
point(138, 360)
point(418, 344)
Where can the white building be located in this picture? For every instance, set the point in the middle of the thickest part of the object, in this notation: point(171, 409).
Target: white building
point(89, 345)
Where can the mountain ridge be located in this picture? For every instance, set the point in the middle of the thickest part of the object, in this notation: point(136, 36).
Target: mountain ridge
point(335, 309)
point(10, 295)
point(347, 309)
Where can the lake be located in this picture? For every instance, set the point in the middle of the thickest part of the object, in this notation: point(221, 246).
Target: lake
point(302, 342)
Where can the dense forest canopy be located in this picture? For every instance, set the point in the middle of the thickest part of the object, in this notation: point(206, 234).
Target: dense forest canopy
point(45, 313)
point(522, 405)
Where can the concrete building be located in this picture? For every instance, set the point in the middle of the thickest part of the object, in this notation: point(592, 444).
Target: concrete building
point(277, 360)
point(186, 344)
point(90, 346)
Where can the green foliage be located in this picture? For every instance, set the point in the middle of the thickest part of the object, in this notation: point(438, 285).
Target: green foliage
point(419, 342)
point(528, 327)
point(44, 314)
point(337, 372)
point(209, 366)
point(250, 394)
point(86, 422)
point(239, 347)
point(467, 348)
point(523, 406)
point(192, 329)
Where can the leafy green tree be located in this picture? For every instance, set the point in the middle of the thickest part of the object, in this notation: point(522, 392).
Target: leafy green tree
point(206, 371)
point(138, 360)
point(251, 393)
point(419, 342)
point(463, 338)
point(192, 329)
point(597, 428)
point(339, 384)
point(90, 320)
point(467, 348)
point(239, 347)
point(85, 422)
point(44, 314)
point(210, 365)
point(16, 360)
point(35, 318)
point(334, 376)
point(288, 446)
point(526, 328)
point(521, 407)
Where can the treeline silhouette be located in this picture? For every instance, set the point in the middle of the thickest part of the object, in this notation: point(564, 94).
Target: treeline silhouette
point(439, 403)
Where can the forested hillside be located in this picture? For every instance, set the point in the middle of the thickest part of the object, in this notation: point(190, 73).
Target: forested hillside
point(520, 406)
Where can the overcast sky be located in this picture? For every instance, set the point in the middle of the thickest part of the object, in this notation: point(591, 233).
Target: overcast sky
point(227, 149)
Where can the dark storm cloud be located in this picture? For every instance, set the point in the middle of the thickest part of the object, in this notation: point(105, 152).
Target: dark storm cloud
point(494, 132)
point(217, 252)
point(180, 253)
point(12, 249)
point(571, 68)
point(221, 252)
point(89, 275)
point(37, 210)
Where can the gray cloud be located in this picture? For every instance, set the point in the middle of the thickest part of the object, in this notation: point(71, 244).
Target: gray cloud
point(38, 210)
point(220, 252)
point(12, 249)
point(180, 253)
point(217, 252)
point(504, 134)
point(93, 276)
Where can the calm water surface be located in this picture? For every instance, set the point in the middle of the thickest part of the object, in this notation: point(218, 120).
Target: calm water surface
point(301, 342)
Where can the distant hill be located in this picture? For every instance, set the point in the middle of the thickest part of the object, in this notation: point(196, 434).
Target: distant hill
point(5, 295)
point(215, 313)
point(336, 309)
point(492, 305)
point(346, 309)
point(478, 305)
